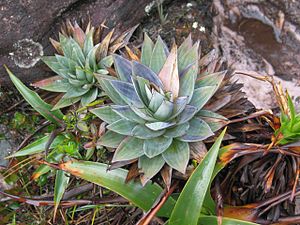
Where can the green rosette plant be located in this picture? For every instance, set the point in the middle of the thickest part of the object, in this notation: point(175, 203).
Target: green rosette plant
point(157, 108)
point(289, 128)
point(80, 54)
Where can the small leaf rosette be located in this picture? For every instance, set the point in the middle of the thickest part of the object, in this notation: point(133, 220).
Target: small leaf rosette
point(80, 54)
point(156, 110)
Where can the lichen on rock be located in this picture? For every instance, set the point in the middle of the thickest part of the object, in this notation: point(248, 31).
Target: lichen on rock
point(26, 53)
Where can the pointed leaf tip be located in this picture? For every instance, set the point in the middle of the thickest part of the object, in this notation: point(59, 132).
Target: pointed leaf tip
point(169, 73)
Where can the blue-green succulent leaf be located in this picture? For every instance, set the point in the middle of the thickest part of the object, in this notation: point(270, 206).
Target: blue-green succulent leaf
point(159, 125)
point(127, 113)
point(147, 50)
point(130, 148)
point(177, 155)
point(122, 126)
point(106, 114)
point(141, 70)
point(159, 55)
point(123, 68)
point(111, 139)
point(198, 131)
point(143, 132)
point(150, 167)
point(155, 146)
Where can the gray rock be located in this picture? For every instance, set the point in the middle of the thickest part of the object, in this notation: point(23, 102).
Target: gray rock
point(261, 36)
point(26, 25)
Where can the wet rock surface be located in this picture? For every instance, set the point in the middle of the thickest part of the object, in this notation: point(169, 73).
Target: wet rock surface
point(262, 36)
point(28, 24)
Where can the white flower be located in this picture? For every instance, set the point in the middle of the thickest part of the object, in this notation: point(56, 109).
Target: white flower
point(202, 29)
point(195, 25)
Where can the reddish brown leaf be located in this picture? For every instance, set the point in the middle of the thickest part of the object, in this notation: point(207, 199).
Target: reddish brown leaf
point(79, 35)
point(166, 174)
point(46, 81)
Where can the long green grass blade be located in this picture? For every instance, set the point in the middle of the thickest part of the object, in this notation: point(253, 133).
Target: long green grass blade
point(194, 191)
point(142, 197)
point(38, 146)
point(35, 101)
point(212, 220)
point(61, 183)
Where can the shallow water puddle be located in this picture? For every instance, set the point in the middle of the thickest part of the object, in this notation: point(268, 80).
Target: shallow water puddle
point(283, 55)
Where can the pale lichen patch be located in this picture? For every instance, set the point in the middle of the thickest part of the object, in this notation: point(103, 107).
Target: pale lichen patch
point(26, 53)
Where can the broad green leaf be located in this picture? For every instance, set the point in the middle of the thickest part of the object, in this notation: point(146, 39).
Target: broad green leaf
point(65, 45)
point(209, 203)
point(187, 82)
point(89, 97)
point(156, 126)
point(80, 73)
point(61, 183)
point(127, 92)
point(291, 109)
point(75, 82)
point(123, 68)
point(73, 92)
point(155, 146)
point(169, 73)
point(141, 196)
point(144, 113)
point(213, 220)
point(38, 146)
point(106, 114)
point(64, 102)
point(143, 132)
point(164, 111)
point(195, 189)
point(111, 139)
point(179, 106)
point(202, 95)
point(141, 87)
point(130, 148)
point(150, 167)
point(214, 79)
point(147, 50)
point(155, 101)
point(188, 58)
point(159, 55)
point(90, 61)
point(88, 43)
point(53, 64)
point(177, 155)
point(126, 112)
point(54, 84)
point(122, 126)
point(215, 121)
point(77, 54)
point(143, 71)
point(187, 114)
point(177, 131)
point(66, 62)
point(186, 45)
point(198, 131)
point(35, 101)
point(106, 85)
point(106, 62)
